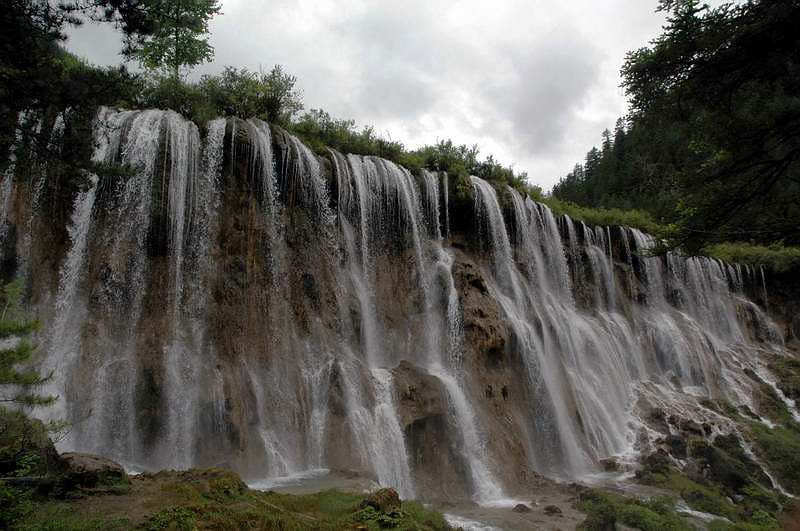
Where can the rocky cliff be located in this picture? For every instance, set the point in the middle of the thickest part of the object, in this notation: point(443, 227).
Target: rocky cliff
point(233, 299)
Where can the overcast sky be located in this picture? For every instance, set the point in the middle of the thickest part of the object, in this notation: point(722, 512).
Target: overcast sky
point(532, 82)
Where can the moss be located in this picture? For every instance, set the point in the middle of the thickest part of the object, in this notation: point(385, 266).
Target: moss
point(787, 370)
point(771, 406)
point(727, 463)
point(706, 498)
point(760, 522)
point(723, 407)
point(779, 448)
point(604, 510)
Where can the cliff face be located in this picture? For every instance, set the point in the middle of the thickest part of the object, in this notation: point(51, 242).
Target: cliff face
point(238, 300)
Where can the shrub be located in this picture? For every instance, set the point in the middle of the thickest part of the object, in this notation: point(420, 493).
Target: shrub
point(775, 256)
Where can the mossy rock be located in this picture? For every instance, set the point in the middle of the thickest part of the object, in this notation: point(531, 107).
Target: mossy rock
point(788, 372)
point(91, 471)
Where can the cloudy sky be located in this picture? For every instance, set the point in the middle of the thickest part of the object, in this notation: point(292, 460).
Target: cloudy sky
point(532, 82)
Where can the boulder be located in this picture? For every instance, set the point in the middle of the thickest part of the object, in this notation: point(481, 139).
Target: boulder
point(676, 445)
point(692, 427)
point(521, 508)
point(383, 500)
point(553, 510)
point(90, 471)
point(609, 464)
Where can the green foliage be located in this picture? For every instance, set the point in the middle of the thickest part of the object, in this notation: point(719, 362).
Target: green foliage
point(180, 34)
point(15, 505)
point(320, 131)
point(706, 498)
point(638, 219)
point(239, 92)
point(787, 370)
point(411, 516)
point(712, 141)
point(38, 77)
point(20, 382)
point(167, 92)
point(779, 448)
point(215, 499)
point(175, 518)
point(604, 510)
point(775, 256)
point(24, 445)
point(271, 97)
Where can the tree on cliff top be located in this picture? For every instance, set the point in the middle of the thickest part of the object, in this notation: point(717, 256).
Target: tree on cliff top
point(179, 37)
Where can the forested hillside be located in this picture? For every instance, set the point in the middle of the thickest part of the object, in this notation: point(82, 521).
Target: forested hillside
point(711, 143)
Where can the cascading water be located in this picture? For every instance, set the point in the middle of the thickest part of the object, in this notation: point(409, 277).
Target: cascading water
point(214, 305)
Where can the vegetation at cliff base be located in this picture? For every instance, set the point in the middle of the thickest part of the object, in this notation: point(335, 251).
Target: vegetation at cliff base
point(606, 510)
point(216, 499)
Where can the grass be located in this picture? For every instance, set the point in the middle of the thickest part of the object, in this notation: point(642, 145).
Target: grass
point(604, 510)
point(776, 256)
point(637, 219)
point(216, 499)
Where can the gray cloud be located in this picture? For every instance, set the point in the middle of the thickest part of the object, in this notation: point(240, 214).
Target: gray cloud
point(532, 82)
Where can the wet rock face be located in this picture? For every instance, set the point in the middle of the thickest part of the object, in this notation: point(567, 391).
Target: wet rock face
point(781, 298)
point(432, 441)
point(269, 345)
point(421, 395)
point(485, 330)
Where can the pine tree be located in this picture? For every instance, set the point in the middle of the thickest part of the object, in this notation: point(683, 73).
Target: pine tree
point(18, 384)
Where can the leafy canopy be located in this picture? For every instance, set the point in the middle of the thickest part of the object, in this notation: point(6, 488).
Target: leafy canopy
point(712, 140)
point(180, 34)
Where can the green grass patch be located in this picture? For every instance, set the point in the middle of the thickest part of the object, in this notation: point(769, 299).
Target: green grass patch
point(779, 448)
point(775, 256)
point(61, 516)
point(637, 219)
point(604, 510)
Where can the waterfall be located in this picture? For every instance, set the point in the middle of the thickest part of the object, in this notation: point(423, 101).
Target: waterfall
point(231, 298)
point(430, 195)
point(485, 486)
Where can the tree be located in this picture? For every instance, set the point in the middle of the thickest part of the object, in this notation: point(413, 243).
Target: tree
point(37, 76)
point(282, 101)
point(712, 140)
point(15, 328)
point(239, 92)
point(180, 34)
point(728, 79)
